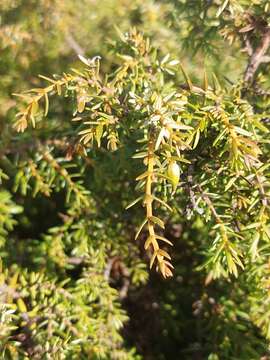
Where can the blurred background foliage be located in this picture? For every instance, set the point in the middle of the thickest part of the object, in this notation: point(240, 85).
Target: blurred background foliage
point(74, 284)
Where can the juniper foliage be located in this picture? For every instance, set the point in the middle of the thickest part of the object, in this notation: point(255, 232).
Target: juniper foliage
point(137, 141)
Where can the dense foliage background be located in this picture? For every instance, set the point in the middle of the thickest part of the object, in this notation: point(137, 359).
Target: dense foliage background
point(158, 131)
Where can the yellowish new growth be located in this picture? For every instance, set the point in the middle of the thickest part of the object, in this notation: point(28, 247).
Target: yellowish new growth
point(28, 114)
point(159, 254)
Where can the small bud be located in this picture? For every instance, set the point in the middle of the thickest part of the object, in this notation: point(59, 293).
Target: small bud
point(173, 174)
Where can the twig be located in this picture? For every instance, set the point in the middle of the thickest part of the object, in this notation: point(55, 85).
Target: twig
point(261, 188)
point(74, 45)
point(209, 203)
point(248, 47)
point(76, 260)
point(258, 56)
point(108, 268)
point(259, 91)
point(124, 289)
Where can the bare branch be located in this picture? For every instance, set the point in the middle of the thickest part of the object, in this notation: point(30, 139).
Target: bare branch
point(74, 45)
point(248, 47)
point(258, 56)
point(124, 289)
point(108, 268)
point(265, 59)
